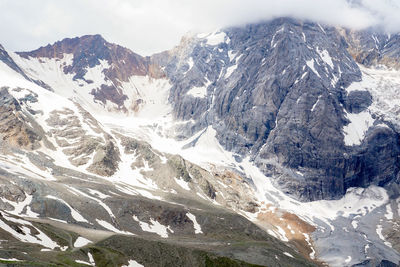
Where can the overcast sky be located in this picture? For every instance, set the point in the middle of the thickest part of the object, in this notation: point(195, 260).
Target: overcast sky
point(148, 26)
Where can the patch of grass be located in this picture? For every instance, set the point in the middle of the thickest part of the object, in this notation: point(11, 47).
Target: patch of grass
point(107, 256)
point(26, 263)
point(66, 259)
point(62, 237)
point(226, 262)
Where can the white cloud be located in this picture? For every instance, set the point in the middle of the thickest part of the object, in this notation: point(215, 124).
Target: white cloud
point(148, 26)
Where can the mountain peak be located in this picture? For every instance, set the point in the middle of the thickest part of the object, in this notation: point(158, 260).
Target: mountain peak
point(93, 43)
point(89, 51)
point(80, 56)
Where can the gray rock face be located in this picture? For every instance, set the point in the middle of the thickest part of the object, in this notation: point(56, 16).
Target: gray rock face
point(277, 91)
point(106, 160)
point(371, 47)
point(357, 101)
point(17, 128)
point(6, 59)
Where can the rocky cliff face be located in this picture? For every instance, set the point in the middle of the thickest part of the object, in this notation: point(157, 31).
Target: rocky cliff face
point(17, 128)
point(6, 59)
point(372, 47)
point(277, 91)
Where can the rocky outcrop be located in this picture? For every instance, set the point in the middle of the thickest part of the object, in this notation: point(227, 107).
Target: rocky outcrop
point(372, 47)
point(223, 186)
point(83, 141)
point(179, 165)
point(105, 160)
point(16, 127)
point(357, 101)
point(6, 59)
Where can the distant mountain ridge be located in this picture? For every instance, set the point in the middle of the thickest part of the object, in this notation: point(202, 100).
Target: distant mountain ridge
point(92, 50)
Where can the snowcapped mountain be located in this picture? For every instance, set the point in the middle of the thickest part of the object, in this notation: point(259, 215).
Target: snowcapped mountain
point(92, 71)
point(272, 144)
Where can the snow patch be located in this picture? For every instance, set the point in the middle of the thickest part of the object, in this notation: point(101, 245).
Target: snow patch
point(355, 131)
point(324, 54)
point(230, 70)
point(91, 259)
point(282, 234)
point(133, 263)
point(310, 64)
point(354, 223)
point(272, 233)
point(75, 214)
point(10, 259)
point(384, 86)
point(26, 235)
point(312, 253)
point(154, 94)
point(81, 242)
point(389, 212)
point(154, 227)
point(273, 43)
point(216, 38)
point(190, 62)
point(304, 37)
point(98, 193)
point(316, 103)
point(199, 92)
point(83, 262)
point(19, 206)
point(197, 227)
point(101, 203)
point(131, 180)
point(182, 183)
point(231, 55)
point(110, 227)
point(379, 233)
point(288, 254)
